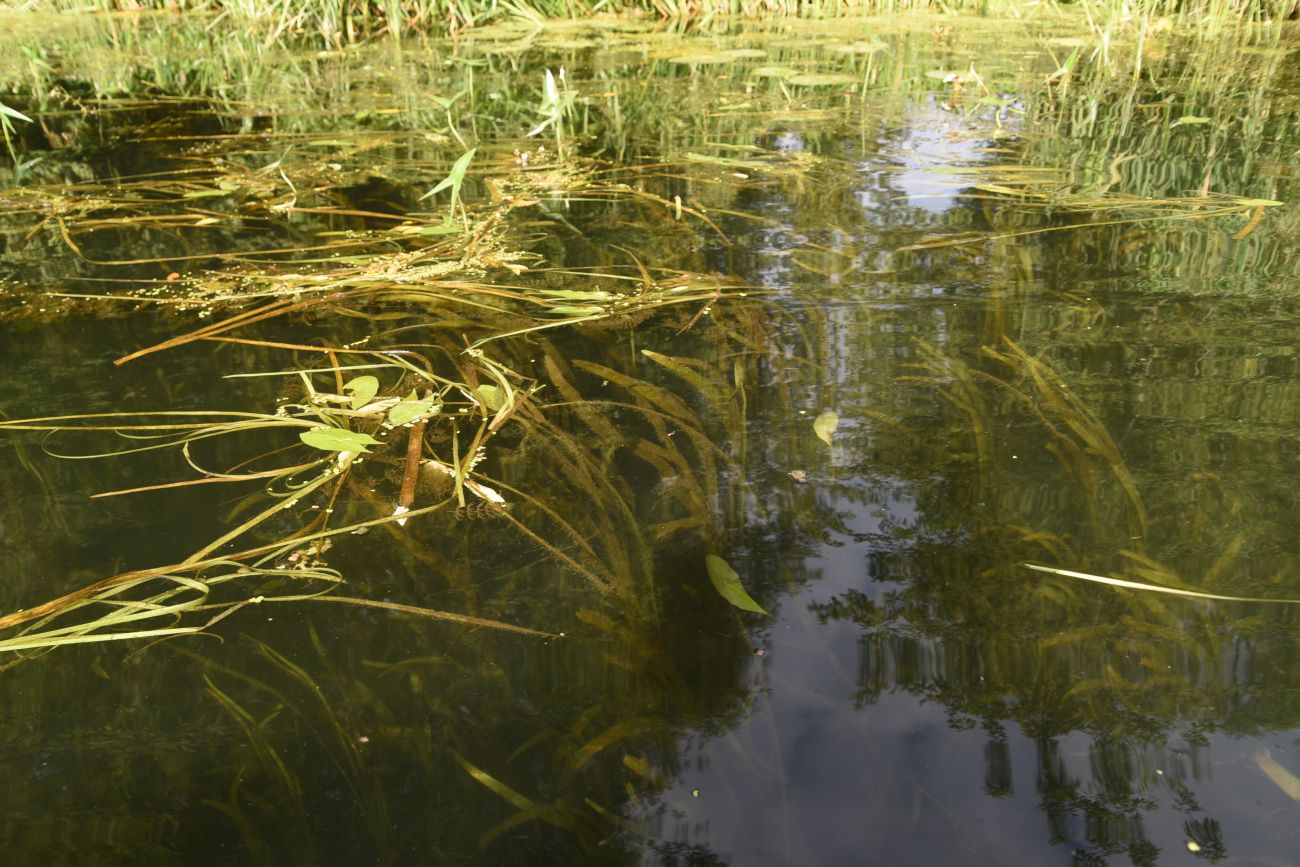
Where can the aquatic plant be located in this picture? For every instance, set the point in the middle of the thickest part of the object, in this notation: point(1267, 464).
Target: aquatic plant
point(7, 117)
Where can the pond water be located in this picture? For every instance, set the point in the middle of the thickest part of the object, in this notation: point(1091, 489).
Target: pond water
point(1051, 303)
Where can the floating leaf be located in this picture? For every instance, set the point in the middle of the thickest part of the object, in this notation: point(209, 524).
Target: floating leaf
point(587, 310)
point(577, 295)
point(700, 59)
point(727, 583)
point(337, 439)
point(410, 409)
point(439, 229)
point(362, 389)
point(824, 426)
point(822, 79)
point(860, 48)
point(491, 397)
point(1280, 776)
point(773, 72)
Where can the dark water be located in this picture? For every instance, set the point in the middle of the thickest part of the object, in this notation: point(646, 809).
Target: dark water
point(1116, 399)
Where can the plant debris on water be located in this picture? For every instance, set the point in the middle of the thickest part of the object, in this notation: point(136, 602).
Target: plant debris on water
point(464, 424)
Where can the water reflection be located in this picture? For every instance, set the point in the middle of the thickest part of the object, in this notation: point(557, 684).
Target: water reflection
point(1114, 398)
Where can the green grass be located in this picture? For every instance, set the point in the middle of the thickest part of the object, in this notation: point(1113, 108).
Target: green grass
point(336, 24)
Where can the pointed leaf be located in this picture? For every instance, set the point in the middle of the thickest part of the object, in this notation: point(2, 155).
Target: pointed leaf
point(727, 583)
point(577, 294)
point(362, 389)
point(14, 113)
point(824, 426)
point(337, 439)
point(552, 93)
point(577, 310)
point(439, 228)
point(411, 409)
point(458, 168)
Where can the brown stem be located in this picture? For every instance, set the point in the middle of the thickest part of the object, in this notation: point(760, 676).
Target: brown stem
point(414, 448)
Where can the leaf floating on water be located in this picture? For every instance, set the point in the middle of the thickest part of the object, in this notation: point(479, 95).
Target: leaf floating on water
point(578, 310)
point(700, 59)
point(824, 426)
point(362, 389)
point(577, 294)
point(773, 72)
point(1156, 588)
point(337, 439)
point(439, 229)
point(409, 410)
point(1278, 775)
point(491, 397)
point(727, 583)
point(860, 48)
point(822, 79)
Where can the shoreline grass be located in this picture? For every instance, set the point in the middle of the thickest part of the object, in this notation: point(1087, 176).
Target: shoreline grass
point(354, 21)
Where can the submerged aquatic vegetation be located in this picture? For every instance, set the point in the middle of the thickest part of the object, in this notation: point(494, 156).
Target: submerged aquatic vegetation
point(330, 24)
point(528, 351)
point(427, 391)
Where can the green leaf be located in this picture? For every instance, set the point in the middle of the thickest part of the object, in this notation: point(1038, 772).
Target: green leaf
point(577, 295)
point(491, 397)
point(362, 389)
point(455, 177)
point(823, 79)
point(551, 93)
point(410, 409)
point(1257, 203)
point(727, 583)
point(337, 439)
point(824, 426)
point(443, 229)
point(1189, 119)
point(14, 113)
point(568, 310)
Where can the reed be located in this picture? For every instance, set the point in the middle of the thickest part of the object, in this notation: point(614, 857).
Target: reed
point(334, 24)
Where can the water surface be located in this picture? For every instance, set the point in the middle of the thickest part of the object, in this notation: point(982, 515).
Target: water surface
point(1115, 395)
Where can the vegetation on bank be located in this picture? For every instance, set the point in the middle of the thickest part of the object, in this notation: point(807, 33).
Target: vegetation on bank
point(352, 21)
